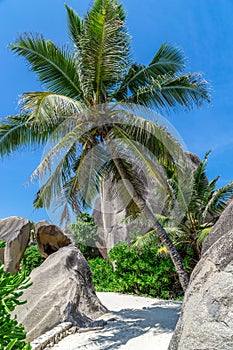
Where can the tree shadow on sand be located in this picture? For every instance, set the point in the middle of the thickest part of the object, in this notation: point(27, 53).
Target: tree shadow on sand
point(127, 324)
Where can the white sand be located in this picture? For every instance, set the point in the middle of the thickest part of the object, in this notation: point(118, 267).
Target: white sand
point(140, 323)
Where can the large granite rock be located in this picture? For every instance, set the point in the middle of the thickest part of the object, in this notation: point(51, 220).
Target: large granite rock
point(110, 210)
point(50, 238)
point(222, 226)
point(109, 214)
point(206, 322)
point(15, 231)
point(62, 290)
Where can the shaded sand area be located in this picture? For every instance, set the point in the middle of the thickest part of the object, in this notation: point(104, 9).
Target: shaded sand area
point(132, 323)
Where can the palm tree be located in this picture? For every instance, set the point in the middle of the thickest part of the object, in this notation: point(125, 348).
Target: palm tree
point(82, 82)
point(205, 207)
point(202, 211)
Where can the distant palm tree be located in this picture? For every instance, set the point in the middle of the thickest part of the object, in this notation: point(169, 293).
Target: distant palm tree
point(99, 70)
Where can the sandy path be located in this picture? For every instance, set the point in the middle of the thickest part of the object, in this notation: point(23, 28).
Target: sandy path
point(140, 323)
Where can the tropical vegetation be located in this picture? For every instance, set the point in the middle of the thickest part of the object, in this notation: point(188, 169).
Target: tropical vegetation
point(85, 233)
point(202, 211)
point(12, 334)
point(31, 259)
point(137, 271)
point(90, 134)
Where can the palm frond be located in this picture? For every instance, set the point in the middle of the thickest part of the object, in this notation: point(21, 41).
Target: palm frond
point(168, 93)
point(103, 50)
point(88, 169)
point(62, 147)
point(75, 25)
point(182, 185)
point(138, 155)
point(148, 239)
point(151, 237)
point(17, 131)
point(219, 201)
point(158, 147)
point(55, 67)
point(48, 108)
point(141, 125)
point(168, 60)
point(66, 215)
point(210, 188)
point(57, 192)
point(51, 189)
point(98, 6)
point(52, 195)
point(200, 185)
point(42, 113)
point(85, 183)
point(56, 203)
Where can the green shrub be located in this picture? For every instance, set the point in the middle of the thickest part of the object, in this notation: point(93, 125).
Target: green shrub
point(84, 232)
point(103, 275)
point(12, 335)
point(136, 271)
point(31, 259)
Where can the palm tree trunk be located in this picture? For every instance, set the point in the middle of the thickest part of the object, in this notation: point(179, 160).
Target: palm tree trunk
point(163, 235)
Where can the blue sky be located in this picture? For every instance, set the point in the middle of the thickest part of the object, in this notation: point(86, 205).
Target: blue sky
point(204, 29)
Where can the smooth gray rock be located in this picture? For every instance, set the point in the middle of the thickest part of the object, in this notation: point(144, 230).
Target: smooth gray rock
point(61, 291)
point(110, 210)
point(50, 238)
point(15, 231)
point(206, 321)
point(109, 215)
point(222, 226)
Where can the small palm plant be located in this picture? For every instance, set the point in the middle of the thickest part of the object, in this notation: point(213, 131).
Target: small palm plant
point(206, 205)
point(97, 72)
point(203, 210)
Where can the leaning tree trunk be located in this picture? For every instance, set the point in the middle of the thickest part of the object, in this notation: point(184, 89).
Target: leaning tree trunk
point(163, 235)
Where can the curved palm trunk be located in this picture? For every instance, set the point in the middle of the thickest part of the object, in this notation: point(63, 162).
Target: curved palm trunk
point(164, 237)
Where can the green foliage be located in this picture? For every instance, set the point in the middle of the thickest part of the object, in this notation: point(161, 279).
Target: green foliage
point(84, 229)
point(207, 202)
point(206, 205)
point(12, 335)
point(136, 271)
point(203, 209)
point(103, 275)
point(85, 234)
point(31, 259)
point(2, 244)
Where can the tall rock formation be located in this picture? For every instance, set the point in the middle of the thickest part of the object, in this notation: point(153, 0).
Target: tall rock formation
point(15, 231)
point(206, 321)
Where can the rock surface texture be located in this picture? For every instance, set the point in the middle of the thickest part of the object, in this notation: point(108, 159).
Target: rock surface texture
point(110, 210)
point(15, 231)
point(50, 238)
point(62, 291)
point(206, 321)
point(222, 226)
